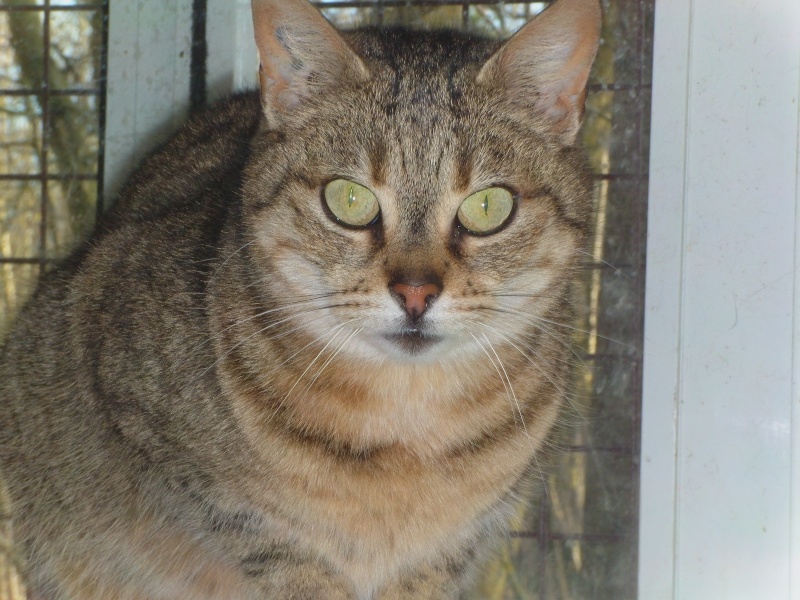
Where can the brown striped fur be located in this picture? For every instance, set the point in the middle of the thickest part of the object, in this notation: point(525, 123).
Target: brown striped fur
point(214, 397)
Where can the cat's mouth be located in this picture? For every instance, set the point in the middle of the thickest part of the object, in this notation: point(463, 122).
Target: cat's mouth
point(413, 341)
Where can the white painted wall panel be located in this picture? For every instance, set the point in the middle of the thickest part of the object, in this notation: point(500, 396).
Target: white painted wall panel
point(149, 56)
point(795, 497)
point(721, 334)
point(666, 206)
point(232, 55)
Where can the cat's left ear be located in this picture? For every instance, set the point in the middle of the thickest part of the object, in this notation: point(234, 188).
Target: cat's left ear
point(545, 65)
point(301, 53)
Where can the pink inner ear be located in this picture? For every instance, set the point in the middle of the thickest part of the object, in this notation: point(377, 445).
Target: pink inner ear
point(555, 109)
point(275, 85)
point(549, 59)
point(275, 71)
point(294, 40)
point(564, 103)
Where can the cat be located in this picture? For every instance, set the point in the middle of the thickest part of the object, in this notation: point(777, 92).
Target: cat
point(312, 351)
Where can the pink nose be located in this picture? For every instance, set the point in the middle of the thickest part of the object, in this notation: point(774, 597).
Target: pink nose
point(415, 298)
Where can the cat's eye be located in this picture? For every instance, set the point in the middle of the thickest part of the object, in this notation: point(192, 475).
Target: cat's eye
point(485, 211)
point(351, 203)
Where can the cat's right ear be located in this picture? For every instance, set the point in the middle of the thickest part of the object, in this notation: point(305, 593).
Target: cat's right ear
point(301, 53)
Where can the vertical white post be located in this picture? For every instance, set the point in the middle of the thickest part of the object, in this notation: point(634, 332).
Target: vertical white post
point(719, 503)
point(232, 55)
point(795, 498)
point(663, 297)
point(149, 59)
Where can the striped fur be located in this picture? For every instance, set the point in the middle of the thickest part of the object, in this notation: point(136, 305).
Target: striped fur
point(213, 399)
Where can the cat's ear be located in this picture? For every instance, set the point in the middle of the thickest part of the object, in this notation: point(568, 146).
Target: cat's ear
point(545, 65)
point(300, 54)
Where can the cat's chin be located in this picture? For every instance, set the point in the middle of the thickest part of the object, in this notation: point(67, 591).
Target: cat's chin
point(412, 342)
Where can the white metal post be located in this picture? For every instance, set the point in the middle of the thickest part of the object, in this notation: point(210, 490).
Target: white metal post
point(718, 514)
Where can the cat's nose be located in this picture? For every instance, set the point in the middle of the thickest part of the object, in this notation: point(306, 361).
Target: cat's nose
point(416, 298)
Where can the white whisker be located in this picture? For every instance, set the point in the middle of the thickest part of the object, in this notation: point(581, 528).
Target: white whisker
point(531, 321)
point(338, 330)
point(256, 316)
point(567, 396)
point(510, 385)
point(316, 339)
point(598, 259)
point(554, 335)
point(532, 318)
point(330, 359)
point(578, 329)
point(249, 337)
point(505, 385)
point(230, 256)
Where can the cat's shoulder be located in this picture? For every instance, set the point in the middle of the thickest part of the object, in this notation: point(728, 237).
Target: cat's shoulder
point(207, 152)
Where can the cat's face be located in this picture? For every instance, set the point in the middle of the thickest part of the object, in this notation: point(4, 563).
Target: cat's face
point(412, 213)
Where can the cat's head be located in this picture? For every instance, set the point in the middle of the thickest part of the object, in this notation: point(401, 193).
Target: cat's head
point(416, 195)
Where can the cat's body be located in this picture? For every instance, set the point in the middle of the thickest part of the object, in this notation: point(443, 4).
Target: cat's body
point(231, 393)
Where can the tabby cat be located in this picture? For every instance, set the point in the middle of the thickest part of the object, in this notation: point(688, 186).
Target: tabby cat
point(313, 351)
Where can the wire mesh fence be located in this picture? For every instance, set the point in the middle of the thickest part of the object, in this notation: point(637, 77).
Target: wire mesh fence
point(52, 69)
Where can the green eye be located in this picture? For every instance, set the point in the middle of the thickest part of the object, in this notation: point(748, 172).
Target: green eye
point(351, 203)
point(485, 211)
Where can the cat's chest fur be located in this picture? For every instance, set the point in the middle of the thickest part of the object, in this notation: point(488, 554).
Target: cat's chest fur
point(415, 474)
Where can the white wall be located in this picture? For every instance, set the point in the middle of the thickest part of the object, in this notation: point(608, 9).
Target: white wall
point(720, 495)
point(149, 60)
point(232, 56)
point(149, 55)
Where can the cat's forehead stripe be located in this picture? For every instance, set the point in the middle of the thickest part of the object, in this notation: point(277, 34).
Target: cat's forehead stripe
point(463, 168)
point(376, 152)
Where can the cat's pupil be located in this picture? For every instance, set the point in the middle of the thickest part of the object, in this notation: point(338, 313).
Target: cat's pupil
point(351, 197)
point(486, 205)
